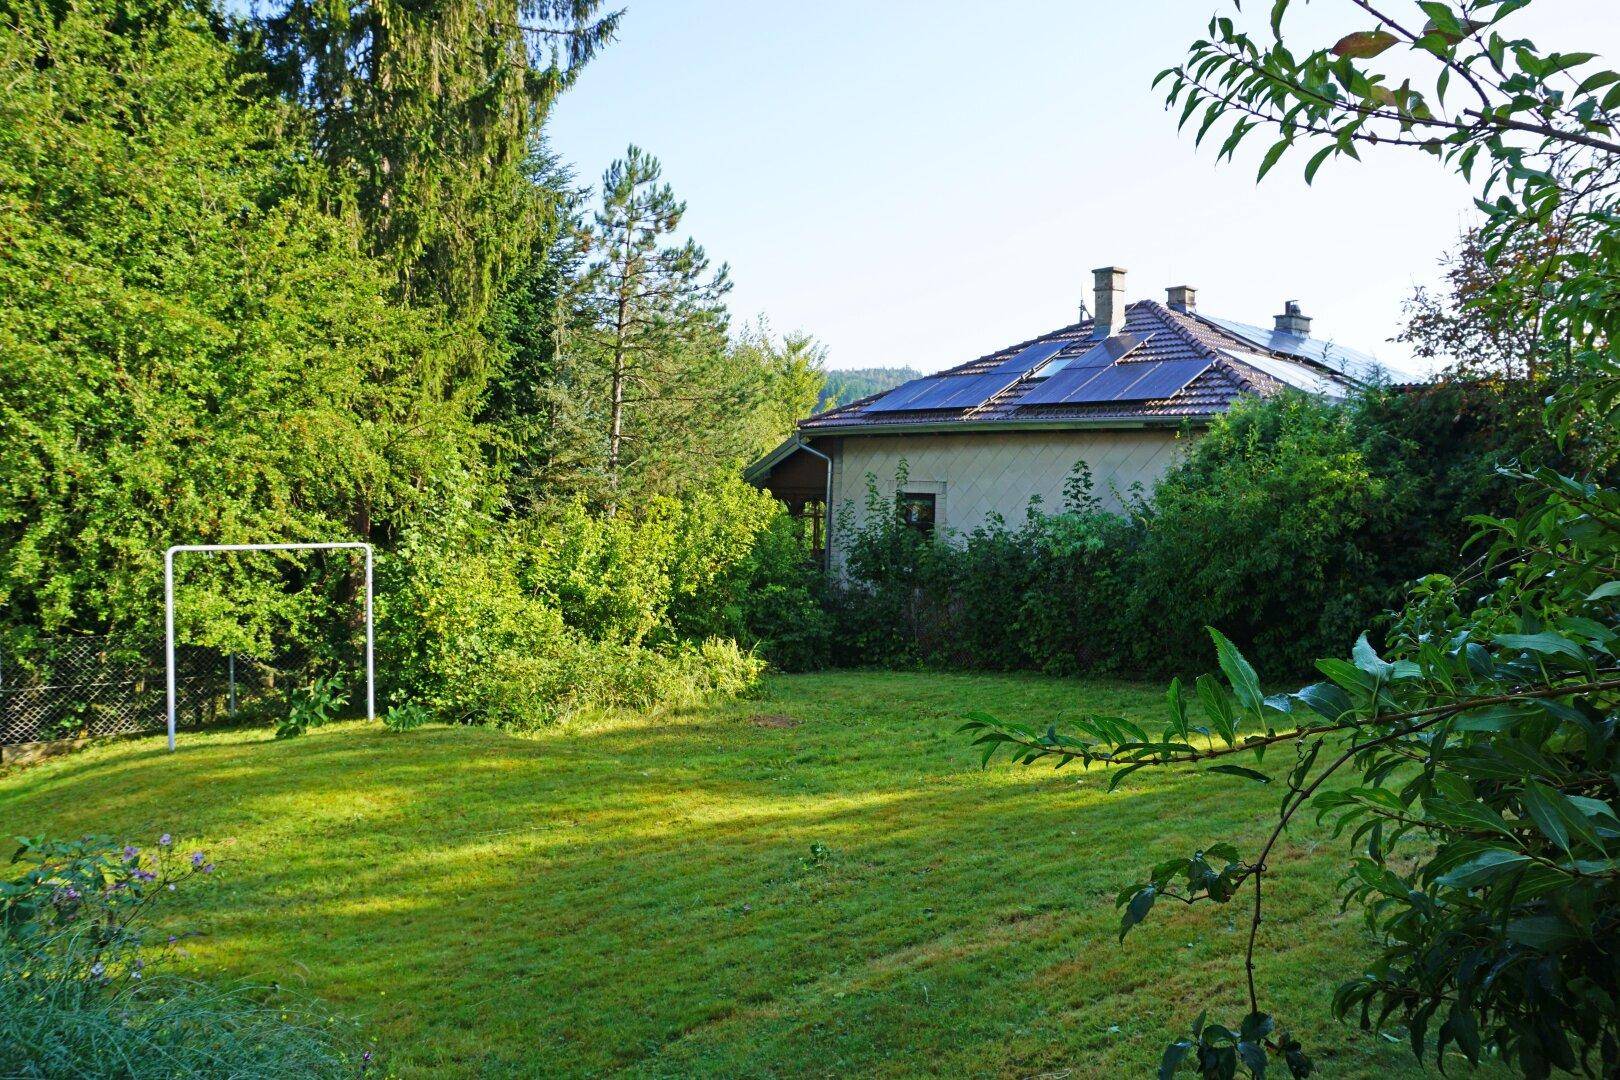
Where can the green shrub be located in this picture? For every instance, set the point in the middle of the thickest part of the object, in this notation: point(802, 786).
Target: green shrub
point(881, 605)
point(1256, 530)
point(1075, 615)
point(312, 706)
point(405, 716)
point(81, 993)
point(1291, 523)
point(779, 605)
point(581, 611)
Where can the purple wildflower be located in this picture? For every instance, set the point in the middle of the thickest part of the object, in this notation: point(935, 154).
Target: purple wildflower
point(131, 853)
point(165, 840)
point(197, 858)
point(209, 869)
point(173, 939)
point(145, 875)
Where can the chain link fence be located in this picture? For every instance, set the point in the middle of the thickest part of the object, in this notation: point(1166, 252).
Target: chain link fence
point(84, 687)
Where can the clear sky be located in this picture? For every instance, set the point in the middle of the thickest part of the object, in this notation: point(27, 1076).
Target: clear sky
point(920, 183)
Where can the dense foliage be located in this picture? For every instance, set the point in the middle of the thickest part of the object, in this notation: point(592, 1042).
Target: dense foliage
point(1473, 759)
point(324, 282)
point(193, 349)
point(587, 610)
point(84, 993)
point(1290, 523)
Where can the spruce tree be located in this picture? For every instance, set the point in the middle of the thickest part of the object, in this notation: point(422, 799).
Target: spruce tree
point(426, 112)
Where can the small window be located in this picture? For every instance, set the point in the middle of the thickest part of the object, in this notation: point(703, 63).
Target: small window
point(917, 511)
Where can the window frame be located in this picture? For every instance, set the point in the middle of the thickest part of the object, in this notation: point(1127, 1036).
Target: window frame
point(926, 529)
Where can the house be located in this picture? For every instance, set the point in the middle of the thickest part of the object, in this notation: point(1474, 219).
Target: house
point(1119, 390)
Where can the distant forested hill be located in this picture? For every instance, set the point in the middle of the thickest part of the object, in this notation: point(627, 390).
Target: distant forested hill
point(842, 387)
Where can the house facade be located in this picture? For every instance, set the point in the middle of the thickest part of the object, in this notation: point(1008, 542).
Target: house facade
point(1122, 390)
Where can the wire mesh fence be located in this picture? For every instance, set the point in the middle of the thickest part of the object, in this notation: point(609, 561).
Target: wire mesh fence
point(89, 686)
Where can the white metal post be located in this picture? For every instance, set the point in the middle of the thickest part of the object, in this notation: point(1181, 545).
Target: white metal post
point(168, 610)
point(371, 670)
point(168, 631)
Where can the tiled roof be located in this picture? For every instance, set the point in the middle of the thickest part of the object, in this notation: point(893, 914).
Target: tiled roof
point(1167, 334)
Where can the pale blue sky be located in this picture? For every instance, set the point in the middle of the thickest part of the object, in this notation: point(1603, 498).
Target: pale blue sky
point(920, 183)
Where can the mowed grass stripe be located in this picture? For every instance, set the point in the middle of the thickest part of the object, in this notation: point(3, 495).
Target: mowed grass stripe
point(691, 893)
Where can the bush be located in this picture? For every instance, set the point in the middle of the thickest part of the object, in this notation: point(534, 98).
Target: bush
point(780, 603)
point(405, 716)
point(1292, 523)
point(1256, 531)
point(579, 610)
point(1074, 618)
point(82, 995)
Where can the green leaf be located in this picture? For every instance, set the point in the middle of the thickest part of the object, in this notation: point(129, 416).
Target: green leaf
point(1559, 818)
point(1178, 707)
point(1327, 700)
point(1254, 1056)
point(1278, 9)
point(1546, 643)
point(1540, 931)
point(1273, 155)
point(1367, 659)
point(1173, 1056)
point(1483, 868)
point(1365, 44)
point(1238, 770)
point(1137, 910)
point(1468, 815)
point(1315, 163)
point(1217, 702)
point(1540, 803)
point(1347, 675)
point(1492, 718)
point(1238, 672)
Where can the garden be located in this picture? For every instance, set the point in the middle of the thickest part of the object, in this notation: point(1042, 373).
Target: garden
point(1302, 761)
point(818, 878)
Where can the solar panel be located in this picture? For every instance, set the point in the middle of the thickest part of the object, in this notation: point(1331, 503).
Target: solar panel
point(1109, 384)
point(1149, 381)
point(1056, 390)
point(944, 392)
point(1105, 352)
point(897, 398)
point(1295, 374)
point(1166, 378)
point(1100, 355)
point(1033, 357)
point(1336, 357)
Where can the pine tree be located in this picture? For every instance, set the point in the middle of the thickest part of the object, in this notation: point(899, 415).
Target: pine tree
point(656, 324)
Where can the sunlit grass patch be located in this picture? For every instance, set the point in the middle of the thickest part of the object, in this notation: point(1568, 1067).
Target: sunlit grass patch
point(693, 893)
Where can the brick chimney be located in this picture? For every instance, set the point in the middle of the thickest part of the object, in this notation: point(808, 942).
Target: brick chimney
point(1108, 307)
point(1183, 298)
point(1291, 321)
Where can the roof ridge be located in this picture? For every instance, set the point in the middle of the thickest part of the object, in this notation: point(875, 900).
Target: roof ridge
point(1172, 319)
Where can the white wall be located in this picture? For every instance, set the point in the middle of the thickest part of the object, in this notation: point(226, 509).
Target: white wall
point(975, 474)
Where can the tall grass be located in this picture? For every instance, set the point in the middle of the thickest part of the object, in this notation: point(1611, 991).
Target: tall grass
point(82, 995)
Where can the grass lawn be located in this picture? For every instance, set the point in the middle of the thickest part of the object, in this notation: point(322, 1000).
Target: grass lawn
point(820, 881)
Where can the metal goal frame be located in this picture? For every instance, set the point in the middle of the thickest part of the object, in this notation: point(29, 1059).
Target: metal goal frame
point(168, 609)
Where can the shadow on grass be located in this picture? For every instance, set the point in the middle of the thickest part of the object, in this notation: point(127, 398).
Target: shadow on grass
point(691, 894)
